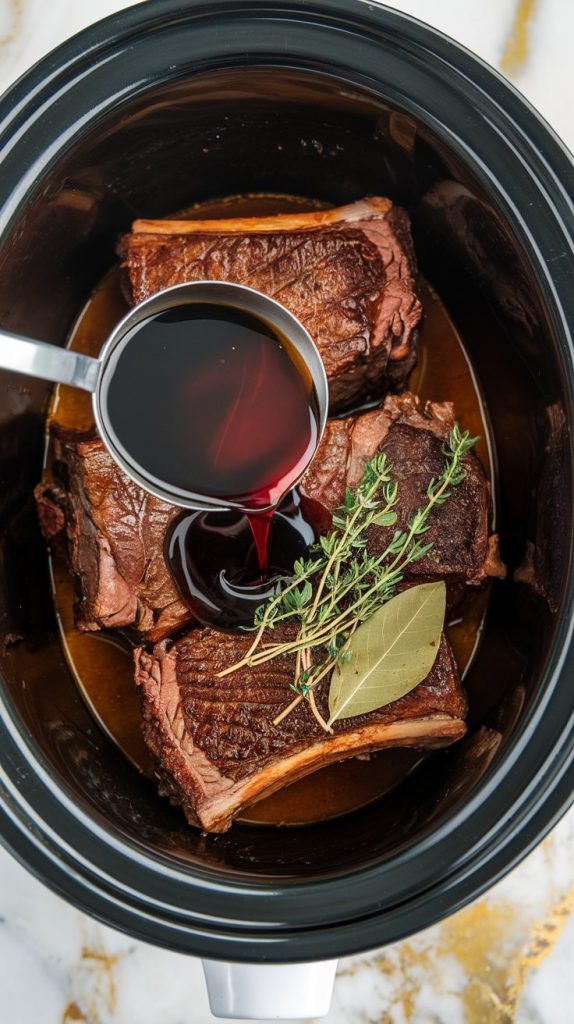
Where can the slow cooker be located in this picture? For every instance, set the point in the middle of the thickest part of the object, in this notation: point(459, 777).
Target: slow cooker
point(172, 102)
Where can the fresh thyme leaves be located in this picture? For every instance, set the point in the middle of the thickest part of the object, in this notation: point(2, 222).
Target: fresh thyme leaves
point(341, 585)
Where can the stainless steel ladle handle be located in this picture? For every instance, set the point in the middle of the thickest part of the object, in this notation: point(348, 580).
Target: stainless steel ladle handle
point(37, 359)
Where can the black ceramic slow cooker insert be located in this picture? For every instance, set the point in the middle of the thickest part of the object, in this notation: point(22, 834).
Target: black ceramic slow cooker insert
point(169, 103)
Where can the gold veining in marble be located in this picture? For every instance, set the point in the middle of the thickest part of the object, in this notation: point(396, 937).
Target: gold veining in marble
point(497, 967)
point(15, 7)
point(544, 938)
point(518, 41)
point(72, 1013)
point(475, 938)
point(486, 940)
point(92, 983)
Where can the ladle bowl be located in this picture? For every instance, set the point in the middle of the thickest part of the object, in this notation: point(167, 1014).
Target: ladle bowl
point(48, 362)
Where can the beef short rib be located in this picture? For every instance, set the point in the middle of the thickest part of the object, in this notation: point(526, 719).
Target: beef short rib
point(113, 535)
point(413, 437)
point(348, 274)
point(214, 742)
point(115, 532)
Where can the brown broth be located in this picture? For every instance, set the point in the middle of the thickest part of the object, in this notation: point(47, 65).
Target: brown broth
point(101, 663)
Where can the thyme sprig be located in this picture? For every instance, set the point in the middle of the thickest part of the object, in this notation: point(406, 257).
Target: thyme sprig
point(341, 584)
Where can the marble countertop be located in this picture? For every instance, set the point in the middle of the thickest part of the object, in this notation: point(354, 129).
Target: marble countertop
point(505, 958)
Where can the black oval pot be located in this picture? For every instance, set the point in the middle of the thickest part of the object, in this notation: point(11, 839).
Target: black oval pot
point(171, 102)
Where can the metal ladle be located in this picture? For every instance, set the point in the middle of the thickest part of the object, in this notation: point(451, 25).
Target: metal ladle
point(49, 362)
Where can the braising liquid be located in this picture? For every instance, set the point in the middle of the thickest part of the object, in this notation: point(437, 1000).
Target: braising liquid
point(220, 571)
point(102, 664)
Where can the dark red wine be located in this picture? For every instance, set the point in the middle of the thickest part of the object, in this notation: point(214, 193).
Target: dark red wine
point(213, 401)
point(214, 560)
point(260, 523)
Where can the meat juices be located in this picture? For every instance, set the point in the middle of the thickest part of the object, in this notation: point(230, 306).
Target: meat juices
point(347, 274)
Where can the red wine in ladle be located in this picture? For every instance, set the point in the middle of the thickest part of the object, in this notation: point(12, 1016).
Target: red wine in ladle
point(214, 402)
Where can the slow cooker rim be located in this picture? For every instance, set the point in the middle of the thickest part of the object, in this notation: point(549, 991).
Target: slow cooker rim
point(324, 5)
point(128, 21)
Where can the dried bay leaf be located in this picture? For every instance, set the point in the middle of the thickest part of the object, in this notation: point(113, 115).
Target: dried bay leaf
point(392, 652)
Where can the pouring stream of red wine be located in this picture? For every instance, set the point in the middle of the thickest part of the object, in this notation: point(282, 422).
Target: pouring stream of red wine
point(230, 413)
